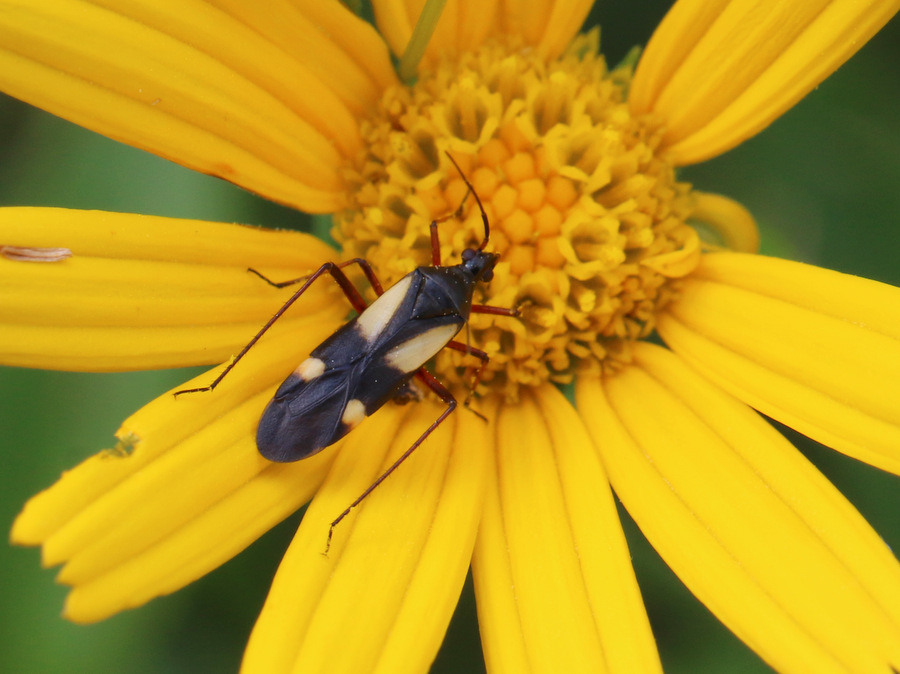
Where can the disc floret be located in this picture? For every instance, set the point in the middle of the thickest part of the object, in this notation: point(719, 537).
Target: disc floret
point(587, 217)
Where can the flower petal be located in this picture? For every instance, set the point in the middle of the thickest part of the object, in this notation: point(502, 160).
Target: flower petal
point(340, 50)
point(465, 24)
point(143, 292)
point(184, 492)
point(553, 577)
point(814, 349)
point(717, 72)
point(724, 223)
point(749, 525)
point(397, 563)
point(549, 26)
point(216, 89)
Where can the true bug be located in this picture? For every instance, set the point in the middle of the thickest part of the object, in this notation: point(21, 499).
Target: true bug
point(372, 358)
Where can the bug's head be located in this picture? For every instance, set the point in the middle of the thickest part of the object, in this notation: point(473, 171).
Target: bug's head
point(479, 264)
point(475, 260)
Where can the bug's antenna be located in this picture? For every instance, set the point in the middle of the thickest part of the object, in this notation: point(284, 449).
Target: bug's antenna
point(484, 217)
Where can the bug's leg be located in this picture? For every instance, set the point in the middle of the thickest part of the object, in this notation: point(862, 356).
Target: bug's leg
point(476, 378)
point(365, 266)
point(328, 268)
point(435, 245)
point(435, 239)
point(496, 311)
point(444, 394)
point(408, 393)
point(368, 271)
point(478, 353)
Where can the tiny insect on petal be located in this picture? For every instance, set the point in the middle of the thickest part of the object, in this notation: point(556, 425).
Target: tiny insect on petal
point(371, 360)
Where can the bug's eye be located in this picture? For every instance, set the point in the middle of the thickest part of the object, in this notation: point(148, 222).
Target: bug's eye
point(468, 254)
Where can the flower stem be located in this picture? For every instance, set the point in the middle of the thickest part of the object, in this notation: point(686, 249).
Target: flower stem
point(422, 33)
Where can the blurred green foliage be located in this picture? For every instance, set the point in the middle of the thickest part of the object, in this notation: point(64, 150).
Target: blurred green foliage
point(822, 182)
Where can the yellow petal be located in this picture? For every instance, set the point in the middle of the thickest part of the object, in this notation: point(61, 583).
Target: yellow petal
point(725, 222)
point(720, 71)
point(397, 563)
point(814, 349)
point(553, 577)
point(185, 492)
point(548, 25)
point(465, 24)
point(750, 526)
point(143, 292)
point(340, 50)
point(396, 21)
point(218, 91)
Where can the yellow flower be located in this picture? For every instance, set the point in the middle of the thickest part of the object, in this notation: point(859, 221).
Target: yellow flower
point(576, 166)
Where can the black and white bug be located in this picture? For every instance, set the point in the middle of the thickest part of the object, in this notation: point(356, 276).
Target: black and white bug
point(372, 358)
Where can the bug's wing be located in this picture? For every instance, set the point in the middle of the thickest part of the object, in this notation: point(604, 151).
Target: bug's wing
point(304, 417)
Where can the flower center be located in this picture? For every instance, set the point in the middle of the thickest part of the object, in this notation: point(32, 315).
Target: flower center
point(589, 222)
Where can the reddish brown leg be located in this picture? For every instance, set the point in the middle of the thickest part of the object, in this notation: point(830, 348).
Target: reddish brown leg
point(444, 394)
point(365, 266)
point(496, 311)
point(476, 378)
point(328, 268)
point(435, 239)
point(478, 353)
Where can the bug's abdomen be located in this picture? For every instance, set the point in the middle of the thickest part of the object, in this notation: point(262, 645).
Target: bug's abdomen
point(306, 414)
point(361, 366)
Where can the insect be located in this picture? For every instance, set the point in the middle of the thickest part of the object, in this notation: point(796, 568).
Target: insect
point(373, 358)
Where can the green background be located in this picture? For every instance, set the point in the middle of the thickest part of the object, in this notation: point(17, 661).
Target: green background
point(822, 181)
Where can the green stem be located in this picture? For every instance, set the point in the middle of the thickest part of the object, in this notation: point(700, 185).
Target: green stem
point(428, 19)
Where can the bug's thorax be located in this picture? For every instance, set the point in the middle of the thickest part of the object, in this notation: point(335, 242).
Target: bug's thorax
point(451, 287)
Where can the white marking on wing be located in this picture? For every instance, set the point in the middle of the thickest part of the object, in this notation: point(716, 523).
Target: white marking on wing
point(377, 315)
point(310, 368)
point(414, 353)
point(354, 412)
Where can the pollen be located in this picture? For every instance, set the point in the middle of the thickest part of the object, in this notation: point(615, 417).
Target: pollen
point(588, 218)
